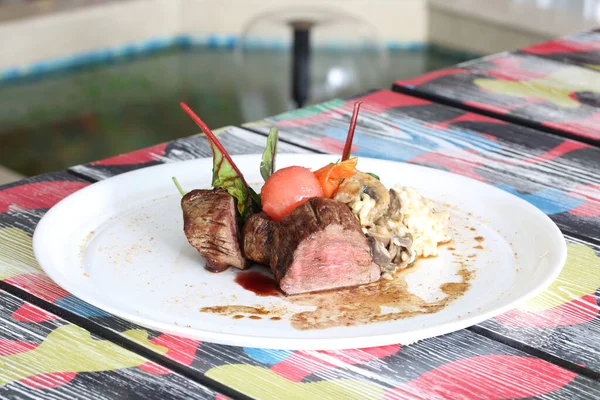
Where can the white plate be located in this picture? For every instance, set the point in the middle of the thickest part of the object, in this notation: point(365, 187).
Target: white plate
point(119, 245)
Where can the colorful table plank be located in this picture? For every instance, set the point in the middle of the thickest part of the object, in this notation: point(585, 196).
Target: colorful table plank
point(552, 173)
point(582, 49)
point(43, 356)
point(522, 88)
point(437, 367)
point(236, 140)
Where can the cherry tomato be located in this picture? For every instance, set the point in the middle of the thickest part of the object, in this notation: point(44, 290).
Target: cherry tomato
point(288, 188)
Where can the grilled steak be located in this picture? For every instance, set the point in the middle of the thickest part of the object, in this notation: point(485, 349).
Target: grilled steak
point(321, 246)
point(210, 226)
point(257, 238)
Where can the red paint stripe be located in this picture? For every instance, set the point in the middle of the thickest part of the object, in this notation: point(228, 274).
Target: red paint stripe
point(563, 46)
point(419, 80)
point(155, 369)
point(330, 145)
point(10, 347)
point(37, 195)
point(471, 117)
point(146, 155)
point(31, 314)
point(486, 378)
point(40, 285)
point(49, 381)
point(386, 99)
point(181, 349)
point(591, 196)
point(565, 147)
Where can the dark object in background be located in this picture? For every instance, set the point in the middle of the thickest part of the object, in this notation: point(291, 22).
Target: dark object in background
point(210, 225)
point(301, 62)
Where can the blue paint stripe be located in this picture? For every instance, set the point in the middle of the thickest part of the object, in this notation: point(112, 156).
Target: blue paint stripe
point(154, 45)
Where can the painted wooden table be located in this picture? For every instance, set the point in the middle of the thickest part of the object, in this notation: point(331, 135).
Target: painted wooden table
point(546, 349)
point(53, 345)
point(553, 86)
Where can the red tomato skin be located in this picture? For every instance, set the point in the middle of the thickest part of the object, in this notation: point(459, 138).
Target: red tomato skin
point(287, 189)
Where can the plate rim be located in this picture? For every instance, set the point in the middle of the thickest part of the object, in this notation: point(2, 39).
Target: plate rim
point(297, 343)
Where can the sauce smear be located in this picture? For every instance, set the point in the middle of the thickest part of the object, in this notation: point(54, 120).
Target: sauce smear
point(260, 284)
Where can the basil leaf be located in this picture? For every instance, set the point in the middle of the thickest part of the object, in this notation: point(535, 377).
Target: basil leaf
point(226, 177)
point(267, 164)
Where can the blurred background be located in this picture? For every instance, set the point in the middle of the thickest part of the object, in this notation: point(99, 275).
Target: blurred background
point(82, 80)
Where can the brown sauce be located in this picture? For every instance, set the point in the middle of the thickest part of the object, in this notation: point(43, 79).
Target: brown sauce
point(345, 307)
point(234, 310)
point(479, 247)
point(260, 284)
point(479, 239)
point(362, 305)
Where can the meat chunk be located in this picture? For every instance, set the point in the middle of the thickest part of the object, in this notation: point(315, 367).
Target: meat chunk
point(209, 223)
point(257, 238)
point(321, 246)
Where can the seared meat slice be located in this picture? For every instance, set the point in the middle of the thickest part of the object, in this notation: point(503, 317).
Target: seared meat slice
point(209, 223)
point(321, 246)
point(257, 238)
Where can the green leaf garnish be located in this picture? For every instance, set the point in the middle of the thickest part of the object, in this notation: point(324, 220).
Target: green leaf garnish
point(267, 164)
point(176, 182)
point(226, 174)
point(226, 177)
point(373, 175)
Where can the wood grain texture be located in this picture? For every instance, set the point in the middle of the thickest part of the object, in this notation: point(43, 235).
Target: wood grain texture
point(235, 140)
point(564, 320)
point(45, 357)
point(581, 49)
point(459, 365)
point(438, 367)
point(546, 170)
point(520, 87)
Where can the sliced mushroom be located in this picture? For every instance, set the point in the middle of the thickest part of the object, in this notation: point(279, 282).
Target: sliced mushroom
point(351, 188)
point(383, 239)
point(411, 259)
point(402, 241)
point(395, 203)
point(380, 254)
point(394, 250)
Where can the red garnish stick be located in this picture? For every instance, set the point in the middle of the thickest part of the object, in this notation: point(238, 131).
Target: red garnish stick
point(211, 137)
point(350, 137)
